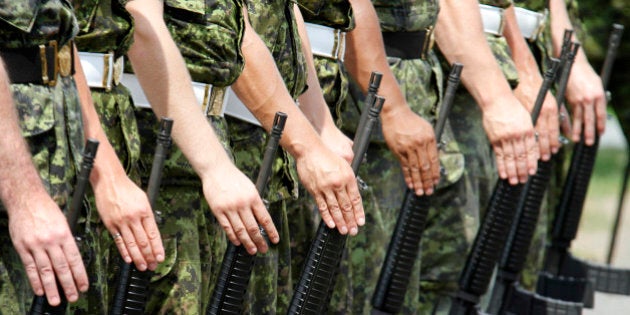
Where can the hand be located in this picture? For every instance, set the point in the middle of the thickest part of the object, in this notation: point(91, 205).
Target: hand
point(510, 131)
point(125, 210)
point(42, 238)
point(330, 180)
point(547, 126)
point(586, 96)
point(237, 206)
point(338, 142)
point(412, 140)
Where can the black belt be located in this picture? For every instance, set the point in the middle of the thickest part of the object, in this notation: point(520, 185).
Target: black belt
point(408, 45)
point(38, 64)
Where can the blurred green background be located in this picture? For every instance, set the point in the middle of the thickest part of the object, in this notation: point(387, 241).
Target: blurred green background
point(605, 187)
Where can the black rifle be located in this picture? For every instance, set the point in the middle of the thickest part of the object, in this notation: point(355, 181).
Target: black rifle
point(404, 246)
point(40, 303)
point(492, 235)
point(237, 265)
point(564, 276)
point(314, 289)
point(132, 289)
point(507, 296)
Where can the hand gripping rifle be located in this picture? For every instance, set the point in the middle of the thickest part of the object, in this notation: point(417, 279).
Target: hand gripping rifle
point(132, 288)
point(492, 235)
point(40, 303)
point(237, 265)
point(507, 296)
point(564, 276)
point(404, 246)
point(314, 289)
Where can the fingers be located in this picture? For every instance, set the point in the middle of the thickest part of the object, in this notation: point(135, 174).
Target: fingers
point(64, 276)
point(578, 120)
point(77, 269)
point(346, 207)
point(47, 277)
point(154, 238)
point(516, 160)
point(264, 219)
point(129, 241)
point(241, 232)
point(415, 163)
point(335, 212)
point(324, 212)
point(600, 110)
point(589, 123)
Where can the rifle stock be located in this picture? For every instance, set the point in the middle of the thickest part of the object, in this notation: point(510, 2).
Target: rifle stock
point(40, 303)
point(132, 285)
point(237, 264)
point(314, 288)
point(404, 246)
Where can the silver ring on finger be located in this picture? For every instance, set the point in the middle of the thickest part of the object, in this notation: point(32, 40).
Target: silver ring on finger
point(116, 236)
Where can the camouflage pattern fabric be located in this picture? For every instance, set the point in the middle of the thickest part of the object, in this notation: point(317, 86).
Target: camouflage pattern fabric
point(271, 285)
point(192, 238)
point(208, 35)
point(50, 120)
point(336, 13)
point(406, 15)
point(26, 23)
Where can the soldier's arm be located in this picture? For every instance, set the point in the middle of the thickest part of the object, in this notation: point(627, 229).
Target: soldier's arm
point(530, 81)
point(39, 230)
point(585, 93)
point(164, 78)
point(408, 135)
point(459, 34)
point(324, 174)
point(313, 104)
point(122, 205)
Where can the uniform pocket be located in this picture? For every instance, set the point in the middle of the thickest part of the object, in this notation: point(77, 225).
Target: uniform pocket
point(188, 10)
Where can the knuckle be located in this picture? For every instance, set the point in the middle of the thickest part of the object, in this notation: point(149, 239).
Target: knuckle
point(266, 221)
point(253, 230)
point(240, 232)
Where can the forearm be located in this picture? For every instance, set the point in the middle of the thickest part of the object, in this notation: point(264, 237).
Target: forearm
point(522, 56)
point(312, 102)
point(262, 90)
point(459, 34)
point(162, 72)
point(560, 21)
point(365, 53)
point(18, 176)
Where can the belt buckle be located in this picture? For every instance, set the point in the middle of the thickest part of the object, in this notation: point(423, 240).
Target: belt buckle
point(64, 60)
point(429, 41)
point(541, 25)
point(43, 56)
point(119, 67)
point(339, 47)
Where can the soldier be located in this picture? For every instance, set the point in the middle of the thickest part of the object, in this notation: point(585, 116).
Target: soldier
point(584, 95)
point(318, 167)
point(55, 118)
point(410, 138)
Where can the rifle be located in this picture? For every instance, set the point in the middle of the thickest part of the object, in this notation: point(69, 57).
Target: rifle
point(312, 294)
point(564, 276)
point(237, 264)
point(404, 246)
point(132, 288)
point(40, 303)
point(492, 235)
point(507, 296)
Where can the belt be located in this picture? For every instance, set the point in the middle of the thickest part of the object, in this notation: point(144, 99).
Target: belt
point(530, 23)
point(492, 18)
point(408, 45)
point(326, 41)
point(214, 101)
point(39, 64)
point(101, 70)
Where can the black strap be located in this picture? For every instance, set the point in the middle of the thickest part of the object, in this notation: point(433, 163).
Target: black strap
point(406, 45)
point(24, 65)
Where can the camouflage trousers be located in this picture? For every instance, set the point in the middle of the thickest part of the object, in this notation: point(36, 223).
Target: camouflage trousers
point(270, 286)
point(50, 120)
point(193, 240)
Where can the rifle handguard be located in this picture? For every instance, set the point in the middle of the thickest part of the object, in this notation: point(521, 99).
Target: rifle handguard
point(132, 288)
point(316, 283)
point(237, 265)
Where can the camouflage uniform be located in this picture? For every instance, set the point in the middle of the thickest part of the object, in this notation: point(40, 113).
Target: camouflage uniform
point(106, 27)
point(445, 235)
point(420, 80)
point(208, 36)
point(271, 285)
point(50, 120)
point(542, 48)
